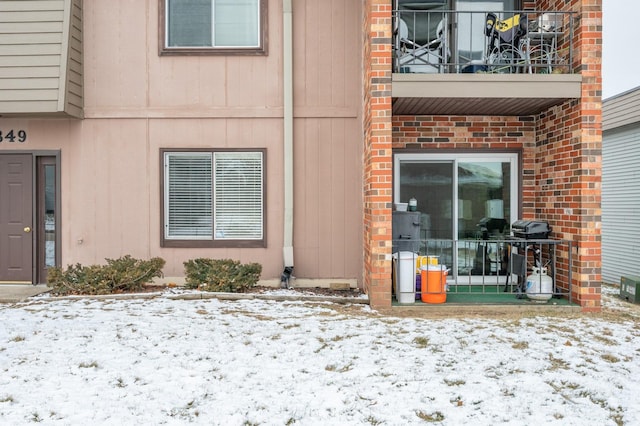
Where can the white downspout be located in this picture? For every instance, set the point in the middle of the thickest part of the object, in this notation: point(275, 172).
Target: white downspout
point(287, 71)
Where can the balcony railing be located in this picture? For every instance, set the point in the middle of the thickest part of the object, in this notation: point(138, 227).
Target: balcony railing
point(442, 41)
point(485, 267)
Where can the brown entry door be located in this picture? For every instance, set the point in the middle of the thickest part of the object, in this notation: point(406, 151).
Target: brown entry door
point(16, 215)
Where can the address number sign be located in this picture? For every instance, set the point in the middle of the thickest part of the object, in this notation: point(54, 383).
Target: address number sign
point(12, 135)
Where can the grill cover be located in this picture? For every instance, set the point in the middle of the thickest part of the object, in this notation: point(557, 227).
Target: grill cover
point(406, 231)
point(530, 229)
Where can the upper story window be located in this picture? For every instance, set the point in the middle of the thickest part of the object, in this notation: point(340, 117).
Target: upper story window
point(213, 27)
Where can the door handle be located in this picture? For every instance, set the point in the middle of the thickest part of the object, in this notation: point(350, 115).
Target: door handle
point(27, 229)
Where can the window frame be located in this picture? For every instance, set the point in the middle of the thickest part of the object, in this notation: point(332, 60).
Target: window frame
point(164, 50)
point(454, 158)
point(212, 242)
point(514, 158)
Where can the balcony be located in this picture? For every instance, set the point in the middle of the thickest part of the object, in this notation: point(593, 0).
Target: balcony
point(482, 63)
point(499, 271)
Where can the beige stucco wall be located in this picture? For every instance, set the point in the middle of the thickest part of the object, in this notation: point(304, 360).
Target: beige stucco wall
point(137, 102)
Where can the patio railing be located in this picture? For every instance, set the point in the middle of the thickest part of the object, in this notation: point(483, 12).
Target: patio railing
point(442, 41)
point(533, 269)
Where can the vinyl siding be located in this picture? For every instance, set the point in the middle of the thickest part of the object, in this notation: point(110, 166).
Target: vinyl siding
point(73, 91)
point(621, 203)
point(621, 110)
point(41, 57)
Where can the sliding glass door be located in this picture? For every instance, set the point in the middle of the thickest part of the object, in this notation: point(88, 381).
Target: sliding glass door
point(463, 199)
point(470, 37)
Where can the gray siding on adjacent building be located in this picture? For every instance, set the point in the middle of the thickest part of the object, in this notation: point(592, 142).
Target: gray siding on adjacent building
point(41, 57)
point(621, 110)
point(621, 187)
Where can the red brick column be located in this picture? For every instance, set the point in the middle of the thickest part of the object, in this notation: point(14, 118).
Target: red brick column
point(590, 249)
point(377, 152)
point(570, 148)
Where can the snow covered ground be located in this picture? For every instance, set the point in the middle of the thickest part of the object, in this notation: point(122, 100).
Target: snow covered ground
point(256, 362)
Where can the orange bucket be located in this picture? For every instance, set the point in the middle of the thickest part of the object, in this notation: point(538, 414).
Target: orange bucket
point(433, 279)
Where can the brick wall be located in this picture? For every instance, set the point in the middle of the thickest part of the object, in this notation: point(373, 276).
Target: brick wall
point(570, 144)
point(554, 185)
point(506, 134)
point(474, 133)
point(377, 152)
point(561, 151)
point(570, 139)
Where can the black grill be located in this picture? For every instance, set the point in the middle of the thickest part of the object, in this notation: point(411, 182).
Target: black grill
point(530, 229)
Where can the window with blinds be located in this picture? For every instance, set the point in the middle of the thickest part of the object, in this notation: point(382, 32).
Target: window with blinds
point(238, 195)
point(213, 24)
point(213, 196)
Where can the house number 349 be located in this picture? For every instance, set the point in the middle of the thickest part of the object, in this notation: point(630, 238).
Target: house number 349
point(13, 136)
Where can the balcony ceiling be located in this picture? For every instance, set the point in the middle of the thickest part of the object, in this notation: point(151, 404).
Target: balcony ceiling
point(481, 94)
point(472, 106)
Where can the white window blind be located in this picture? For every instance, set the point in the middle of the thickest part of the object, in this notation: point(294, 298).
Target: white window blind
point(237, 23)
point(188, 204)
point(238, 197)
point(213, 23)
point(214, 196)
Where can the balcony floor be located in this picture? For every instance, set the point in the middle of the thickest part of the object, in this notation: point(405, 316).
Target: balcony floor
point(489, 295)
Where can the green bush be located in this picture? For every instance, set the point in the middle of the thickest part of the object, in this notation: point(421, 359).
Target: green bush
point(221, 275)
point(122, 275)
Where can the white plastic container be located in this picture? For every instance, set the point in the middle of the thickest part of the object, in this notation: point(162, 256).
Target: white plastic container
point(405, 276)
point(539, 285)
point(401, 207)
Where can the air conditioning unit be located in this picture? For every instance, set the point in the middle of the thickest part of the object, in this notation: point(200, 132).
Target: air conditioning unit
point(630, 288)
